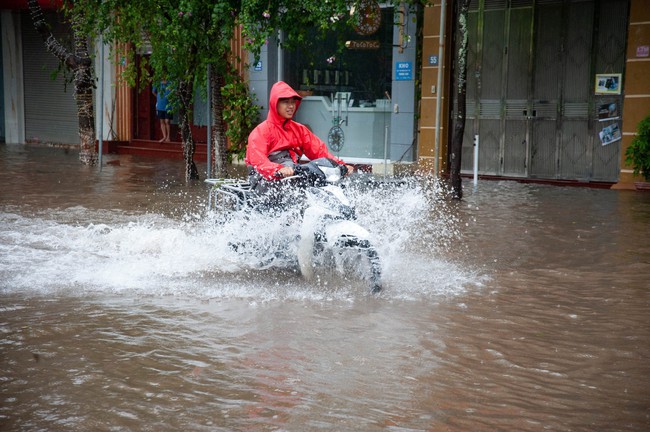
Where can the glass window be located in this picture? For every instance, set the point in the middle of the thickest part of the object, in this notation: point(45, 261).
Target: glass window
point(363, 68)
point(346, 81)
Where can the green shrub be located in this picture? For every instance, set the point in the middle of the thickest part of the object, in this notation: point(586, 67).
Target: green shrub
point(637, 154)
point(240, 114)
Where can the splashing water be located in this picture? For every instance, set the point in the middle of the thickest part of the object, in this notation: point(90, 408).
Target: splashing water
point(125, 307)
point(208, 255)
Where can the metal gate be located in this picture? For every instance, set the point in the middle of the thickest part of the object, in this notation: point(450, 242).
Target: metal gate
point(50, 109)
point(530, 94)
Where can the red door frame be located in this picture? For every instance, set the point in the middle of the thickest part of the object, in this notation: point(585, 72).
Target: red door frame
point(145, 124)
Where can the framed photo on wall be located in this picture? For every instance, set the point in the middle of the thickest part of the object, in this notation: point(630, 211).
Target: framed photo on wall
point(608, 84)
point(608, 111)
point(610, 134)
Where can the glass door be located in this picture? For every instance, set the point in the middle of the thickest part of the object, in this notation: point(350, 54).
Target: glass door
point(346, 83)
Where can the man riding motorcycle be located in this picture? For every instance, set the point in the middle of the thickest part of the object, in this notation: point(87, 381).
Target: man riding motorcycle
point(276, 145)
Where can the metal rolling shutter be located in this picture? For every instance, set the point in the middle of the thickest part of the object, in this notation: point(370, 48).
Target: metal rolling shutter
point(50, 109)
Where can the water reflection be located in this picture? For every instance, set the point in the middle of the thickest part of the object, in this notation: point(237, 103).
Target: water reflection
point(523, 307)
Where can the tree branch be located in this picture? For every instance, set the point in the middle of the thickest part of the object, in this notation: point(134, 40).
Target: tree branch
point(51, 43)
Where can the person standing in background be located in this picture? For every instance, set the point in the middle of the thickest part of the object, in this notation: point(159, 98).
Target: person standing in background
point(163, 108)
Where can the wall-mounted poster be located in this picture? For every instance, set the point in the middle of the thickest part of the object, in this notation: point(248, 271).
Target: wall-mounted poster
point(608, 83)
point(610, 134)
point(608, 111)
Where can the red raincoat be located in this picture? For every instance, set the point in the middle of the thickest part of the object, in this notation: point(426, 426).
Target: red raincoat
point(276, 133)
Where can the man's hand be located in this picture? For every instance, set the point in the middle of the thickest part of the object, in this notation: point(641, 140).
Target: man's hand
point(285, 172)
point(350, 169)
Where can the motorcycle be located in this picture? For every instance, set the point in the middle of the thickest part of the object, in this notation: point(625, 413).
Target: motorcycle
point(329, 235)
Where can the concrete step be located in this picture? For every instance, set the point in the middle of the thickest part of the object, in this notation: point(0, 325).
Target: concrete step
point(167, 150)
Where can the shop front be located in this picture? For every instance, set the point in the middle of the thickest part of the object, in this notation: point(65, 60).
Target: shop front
point(358, 87)
point(533, 95)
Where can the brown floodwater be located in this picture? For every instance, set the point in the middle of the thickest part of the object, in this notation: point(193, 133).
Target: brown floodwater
point(123, 306)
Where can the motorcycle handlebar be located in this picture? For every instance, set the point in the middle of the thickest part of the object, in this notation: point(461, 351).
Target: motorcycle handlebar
point(302, 172)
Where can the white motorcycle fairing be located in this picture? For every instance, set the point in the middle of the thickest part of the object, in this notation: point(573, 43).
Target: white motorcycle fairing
point(329, 235)
point(343, 230)
point(320, 223)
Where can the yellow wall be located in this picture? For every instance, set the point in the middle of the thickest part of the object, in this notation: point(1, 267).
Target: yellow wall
point(433, 44)
point(123, 102)
point(636, 84)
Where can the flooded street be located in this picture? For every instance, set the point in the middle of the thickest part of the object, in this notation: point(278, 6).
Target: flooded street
point(523, 307)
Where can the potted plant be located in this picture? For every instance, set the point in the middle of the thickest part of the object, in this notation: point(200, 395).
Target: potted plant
point(637, 154)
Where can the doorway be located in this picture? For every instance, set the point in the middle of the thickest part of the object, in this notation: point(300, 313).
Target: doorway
point(530, 94)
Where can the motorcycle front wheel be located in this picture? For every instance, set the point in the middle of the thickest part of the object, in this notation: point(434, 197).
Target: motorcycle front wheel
point(360, 256)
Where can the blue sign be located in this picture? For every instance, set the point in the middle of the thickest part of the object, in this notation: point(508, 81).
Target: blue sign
point(433, 60)
point(403, 71)
point(258, 66)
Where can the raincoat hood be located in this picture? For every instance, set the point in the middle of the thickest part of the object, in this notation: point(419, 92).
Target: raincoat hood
point(281, 90)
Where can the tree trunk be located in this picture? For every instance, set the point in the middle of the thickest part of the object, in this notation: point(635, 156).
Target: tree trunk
point(461, 98)
point(84, 97)
point(80, 65)
point(219, 141)
point(185, 96)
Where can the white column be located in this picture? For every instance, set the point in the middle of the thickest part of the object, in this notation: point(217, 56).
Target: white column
point(107, 112)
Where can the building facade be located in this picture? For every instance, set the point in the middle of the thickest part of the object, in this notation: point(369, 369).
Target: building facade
point(362, 99)
point(555, 88)
point(37, 102)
